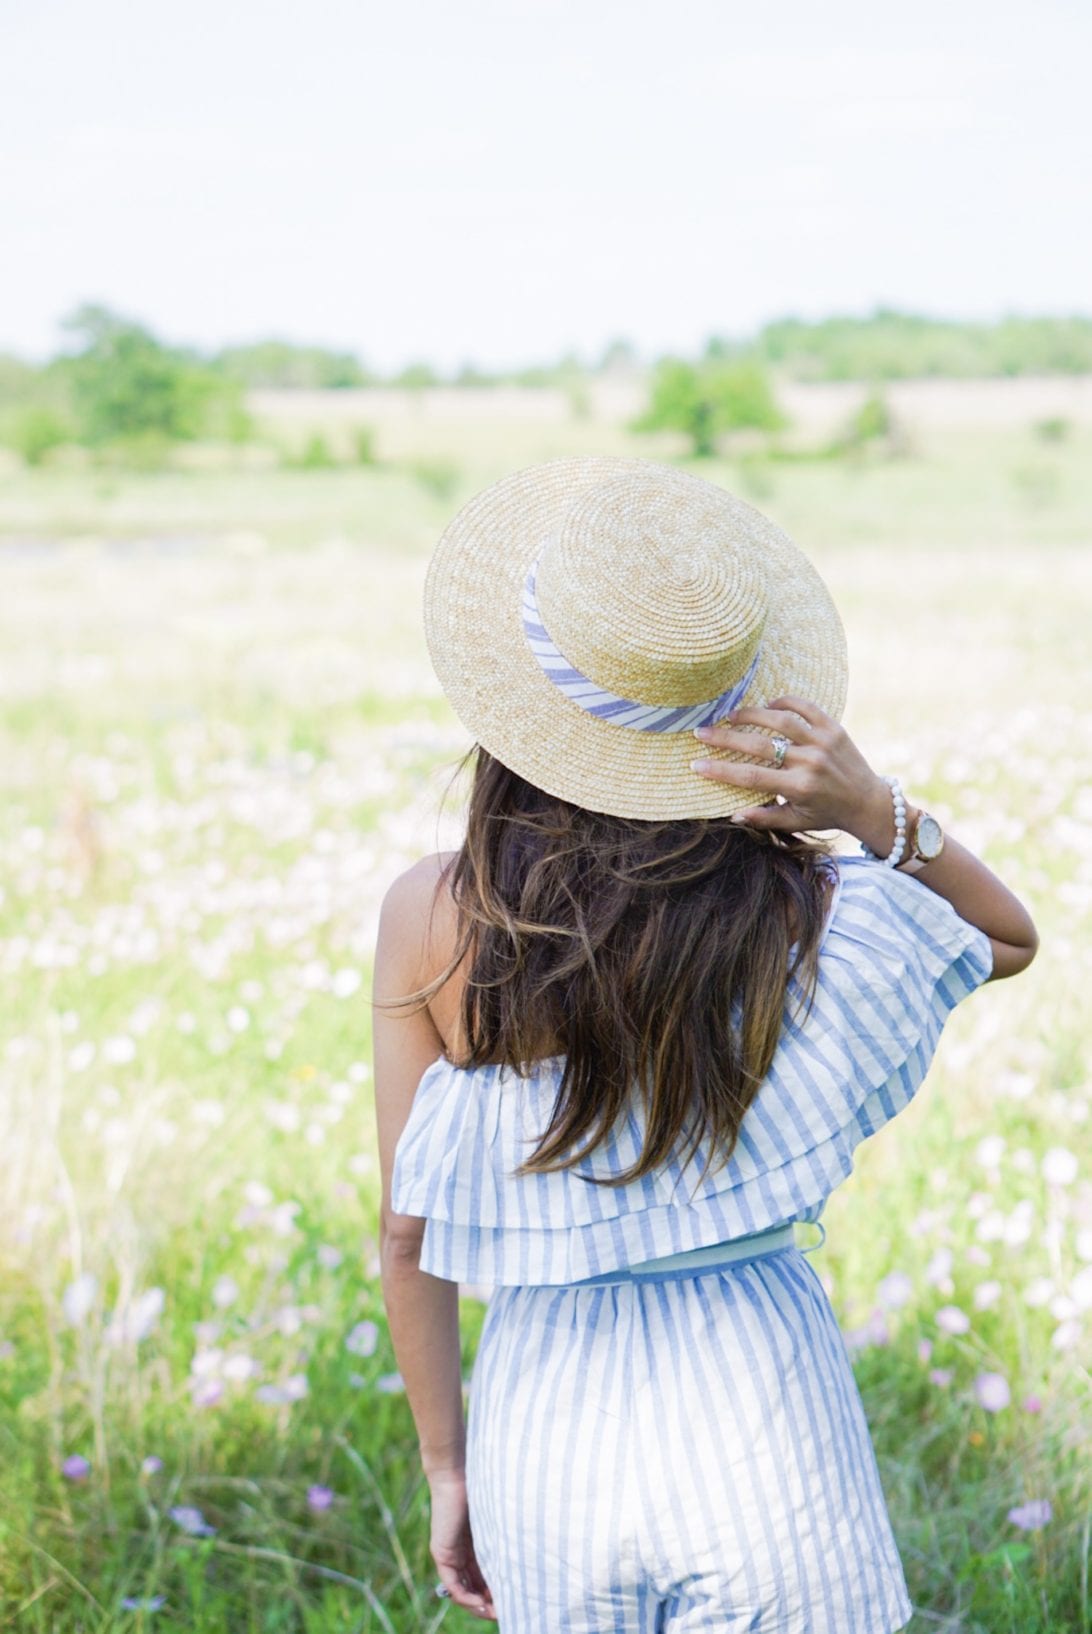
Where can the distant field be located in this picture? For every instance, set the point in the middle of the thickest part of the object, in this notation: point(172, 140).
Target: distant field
point(220, 738)
point(815, 410)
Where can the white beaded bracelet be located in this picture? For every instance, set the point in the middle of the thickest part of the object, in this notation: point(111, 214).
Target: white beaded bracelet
point(895, 854)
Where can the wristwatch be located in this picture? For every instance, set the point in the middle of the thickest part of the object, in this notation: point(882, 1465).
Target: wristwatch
point(925, 842)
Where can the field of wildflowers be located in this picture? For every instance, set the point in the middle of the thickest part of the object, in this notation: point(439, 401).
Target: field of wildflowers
point(220, 739)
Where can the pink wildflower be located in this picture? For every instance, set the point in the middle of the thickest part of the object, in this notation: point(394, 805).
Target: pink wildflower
point(992, 1391)
point(1030, 1516)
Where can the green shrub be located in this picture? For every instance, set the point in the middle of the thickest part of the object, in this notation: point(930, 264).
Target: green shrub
point(579, 400)
point(1056, 429)
point(705, 401)
point(316, 454)
point(238, 424)
point(872, 426)
point(364, 445)
point(872, 420)
point(34, 431)
point(436, 476)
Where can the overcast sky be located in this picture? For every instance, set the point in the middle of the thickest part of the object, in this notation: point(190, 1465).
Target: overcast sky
point(503, 180)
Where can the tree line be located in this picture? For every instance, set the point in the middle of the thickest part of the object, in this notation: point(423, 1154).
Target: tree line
point(119, 386)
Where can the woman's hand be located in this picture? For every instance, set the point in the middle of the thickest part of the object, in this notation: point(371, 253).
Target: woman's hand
point(826, 782)
point(824, 779)
point(452, 1546)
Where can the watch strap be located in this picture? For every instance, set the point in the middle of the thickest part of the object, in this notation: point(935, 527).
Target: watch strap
point(914, 862)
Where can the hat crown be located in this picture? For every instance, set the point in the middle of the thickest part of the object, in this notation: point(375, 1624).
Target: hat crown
point(654, 587)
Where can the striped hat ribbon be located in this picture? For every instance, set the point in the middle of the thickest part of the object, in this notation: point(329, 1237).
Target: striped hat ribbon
point(608, 706)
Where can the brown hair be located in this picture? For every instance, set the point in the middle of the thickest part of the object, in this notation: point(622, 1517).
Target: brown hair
point(654, 956)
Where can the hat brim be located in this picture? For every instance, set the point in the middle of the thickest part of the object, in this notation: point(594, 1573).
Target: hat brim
point(474, 631)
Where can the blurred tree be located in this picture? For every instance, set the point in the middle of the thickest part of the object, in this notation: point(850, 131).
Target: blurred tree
point(706, 401)
point(534, 374)
point(415, 376)
point(891, 345)
point(718, 349)
point(125, 385)
point(17, 379)
point(470, 375)
point(619, 357)
point(279, 364)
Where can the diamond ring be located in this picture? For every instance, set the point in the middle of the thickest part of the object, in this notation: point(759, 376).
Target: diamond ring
point(780, 749)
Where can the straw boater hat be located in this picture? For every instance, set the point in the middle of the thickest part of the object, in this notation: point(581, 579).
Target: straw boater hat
point(584, 615)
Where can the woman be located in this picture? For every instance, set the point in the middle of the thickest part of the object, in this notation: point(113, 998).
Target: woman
point(625, 1039)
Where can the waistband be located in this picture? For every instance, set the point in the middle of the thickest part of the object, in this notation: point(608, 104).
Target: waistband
point(692, 1261)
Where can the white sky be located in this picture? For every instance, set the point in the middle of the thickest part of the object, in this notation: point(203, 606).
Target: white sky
point(503, 180)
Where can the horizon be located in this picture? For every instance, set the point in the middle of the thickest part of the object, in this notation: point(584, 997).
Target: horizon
point(586, 362)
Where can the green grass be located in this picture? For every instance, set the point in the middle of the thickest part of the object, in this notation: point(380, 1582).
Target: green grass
point(216, 751)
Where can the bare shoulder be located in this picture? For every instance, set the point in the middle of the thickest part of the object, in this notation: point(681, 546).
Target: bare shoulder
point(416, 886)
point(417, 918)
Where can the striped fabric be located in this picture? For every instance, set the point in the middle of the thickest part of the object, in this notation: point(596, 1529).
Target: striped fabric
point(608, 706)
point(896, 959)
point(670, 1456)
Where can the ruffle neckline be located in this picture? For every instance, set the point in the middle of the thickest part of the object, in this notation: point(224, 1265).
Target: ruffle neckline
point(895, 959)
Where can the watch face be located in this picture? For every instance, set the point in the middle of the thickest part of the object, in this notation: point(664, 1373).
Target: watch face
point(929, 838)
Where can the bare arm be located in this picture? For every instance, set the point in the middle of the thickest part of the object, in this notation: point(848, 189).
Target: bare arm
point(422, 1310)
point(827, 783)
point(974, 891)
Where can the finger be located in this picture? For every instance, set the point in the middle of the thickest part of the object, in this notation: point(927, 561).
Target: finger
point(754, 744)
point(811, 712)
point(476, 1581)
point(773, 720)
point(475, 1575)
point(452, 1577)
point(783, 819)
point(742, 775)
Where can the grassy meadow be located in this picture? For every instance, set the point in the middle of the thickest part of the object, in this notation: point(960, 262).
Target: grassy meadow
point(220, 739)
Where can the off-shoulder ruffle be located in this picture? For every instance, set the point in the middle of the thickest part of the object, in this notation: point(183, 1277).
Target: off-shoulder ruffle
point(896, 959)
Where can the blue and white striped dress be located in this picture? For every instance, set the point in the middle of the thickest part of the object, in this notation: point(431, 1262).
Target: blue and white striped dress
point(690, 1451)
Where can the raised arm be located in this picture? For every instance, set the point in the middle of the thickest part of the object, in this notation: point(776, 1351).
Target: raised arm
point(826, 782)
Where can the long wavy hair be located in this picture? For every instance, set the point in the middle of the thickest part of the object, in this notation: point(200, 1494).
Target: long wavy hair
point(654, 957)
